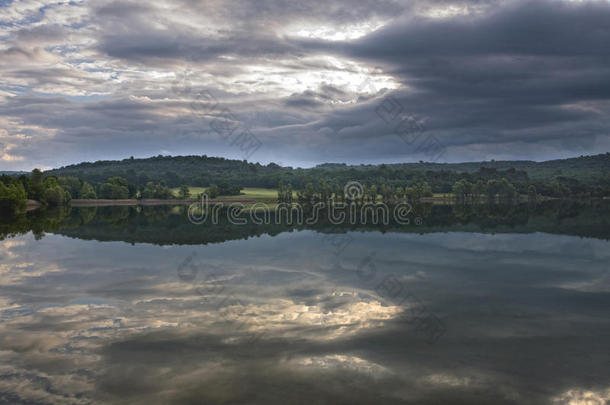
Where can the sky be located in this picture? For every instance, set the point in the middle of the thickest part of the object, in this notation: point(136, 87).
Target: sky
point(303, 82)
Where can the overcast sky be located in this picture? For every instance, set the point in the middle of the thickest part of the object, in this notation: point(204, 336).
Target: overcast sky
point(306, 81)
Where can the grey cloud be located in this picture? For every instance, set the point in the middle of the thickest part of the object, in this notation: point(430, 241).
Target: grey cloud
point(488, 84)
point(515, 75)
point(41, 34)
point(130, 31)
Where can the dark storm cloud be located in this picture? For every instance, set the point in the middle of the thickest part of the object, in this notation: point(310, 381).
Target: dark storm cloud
point(523, 28)
point(158, 46)
point(524, 73)
point(278, 12)
point(490, 79)
point(137, 32)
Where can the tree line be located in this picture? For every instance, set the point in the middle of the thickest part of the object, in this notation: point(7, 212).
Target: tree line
point(15, 191)
point(146, 178)
point(56, 191)
point(590, 174)
point(327, 191)
point(562, 179)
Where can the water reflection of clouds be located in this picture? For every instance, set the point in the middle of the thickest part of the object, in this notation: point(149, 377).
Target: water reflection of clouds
point(113, 322)
point(583, 397)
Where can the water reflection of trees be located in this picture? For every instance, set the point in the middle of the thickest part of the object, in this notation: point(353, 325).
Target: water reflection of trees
point(169, 225)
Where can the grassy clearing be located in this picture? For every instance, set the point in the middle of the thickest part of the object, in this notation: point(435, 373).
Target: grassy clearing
point(252, 193)
point(194, 191)
point(262, 194)
point(255, 194)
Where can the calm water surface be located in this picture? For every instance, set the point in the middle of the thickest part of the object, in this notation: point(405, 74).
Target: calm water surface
point(136, 306)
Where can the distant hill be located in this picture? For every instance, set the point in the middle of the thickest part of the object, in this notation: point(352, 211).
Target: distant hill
point(571, 167)
point(204, 170)
point(11, 173)
point(176, 170)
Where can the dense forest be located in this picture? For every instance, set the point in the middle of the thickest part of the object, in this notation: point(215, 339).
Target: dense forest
point(204, 170)
point(152, 178)
point(582, 175)
point(51, 190)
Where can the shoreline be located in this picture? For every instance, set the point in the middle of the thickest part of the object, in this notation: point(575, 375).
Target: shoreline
point(98, 202)
point(150, 201)
point(32, 205)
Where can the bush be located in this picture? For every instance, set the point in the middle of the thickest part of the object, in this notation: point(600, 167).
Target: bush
point(184, 192)
point(71, 185)
point(113, 191)
point(212, 191)
point(55, 195)
point(87, 192)
point(227, 189)
point(12, 198)
point(156, 191)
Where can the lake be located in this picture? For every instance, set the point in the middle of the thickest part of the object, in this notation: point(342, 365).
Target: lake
point(468, 305)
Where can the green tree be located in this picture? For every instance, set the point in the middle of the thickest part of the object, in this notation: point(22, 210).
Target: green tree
point(373, 193)
point(55, 195)
point(308, 194)
point(71, 185)
point(493, 188)
point(115, 188)
point(531, 192)
point(480, 188)
point(37, 187)
point(50, 182)
point(86, 191)
point(284, 193)
point(12, 198)
point(399, 193)
point(225, 188)
point(280, 192)
point(324, 190)
point(184, 192)
point(155, 190)
point(411, 194)
point(212, 191)
point(426, 190)
point(461, 189)
point(507, 191)
point(339, 196)
point(387, 193)
point(119, 181)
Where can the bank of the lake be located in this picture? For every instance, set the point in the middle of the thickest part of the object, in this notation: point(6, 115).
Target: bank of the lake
point(150, 201)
